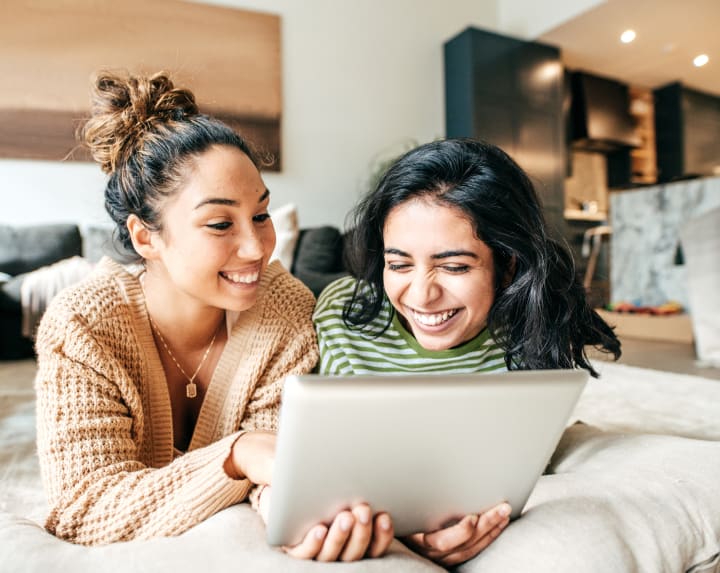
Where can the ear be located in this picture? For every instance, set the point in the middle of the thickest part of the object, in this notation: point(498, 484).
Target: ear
point(510, 273)
point(143, 239)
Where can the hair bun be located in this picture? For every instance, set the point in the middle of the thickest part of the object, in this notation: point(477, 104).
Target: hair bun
point(125, 109)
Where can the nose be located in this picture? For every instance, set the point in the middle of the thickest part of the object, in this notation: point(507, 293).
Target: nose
point(250, 245)
point(423, 289)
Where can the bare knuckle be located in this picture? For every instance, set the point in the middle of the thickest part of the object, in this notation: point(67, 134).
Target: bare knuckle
point(443, 545)
point(484, 521)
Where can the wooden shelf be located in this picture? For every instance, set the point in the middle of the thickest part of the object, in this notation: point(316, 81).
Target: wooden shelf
point(580, 215)
point(644, 162)
point(642, 154)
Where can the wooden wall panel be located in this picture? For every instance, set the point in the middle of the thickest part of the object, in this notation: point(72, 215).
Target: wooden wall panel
point(50, 50)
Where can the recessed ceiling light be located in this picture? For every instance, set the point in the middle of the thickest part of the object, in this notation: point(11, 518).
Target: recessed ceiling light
point(701, 60)
point(627, 36)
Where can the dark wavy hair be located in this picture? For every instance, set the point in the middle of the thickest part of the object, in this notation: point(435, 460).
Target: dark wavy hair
point(146, 133)
point(540, 316)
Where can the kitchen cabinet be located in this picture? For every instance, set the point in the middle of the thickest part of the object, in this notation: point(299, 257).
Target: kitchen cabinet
point(509, 92)
point(687, 131)
point(600, 121)
point(600, 114)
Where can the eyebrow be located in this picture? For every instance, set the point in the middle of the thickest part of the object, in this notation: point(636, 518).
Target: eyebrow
point(443, 255)
point(232, 202)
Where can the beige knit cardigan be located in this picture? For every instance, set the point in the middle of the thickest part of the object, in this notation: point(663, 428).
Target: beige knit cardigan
point(104, 422)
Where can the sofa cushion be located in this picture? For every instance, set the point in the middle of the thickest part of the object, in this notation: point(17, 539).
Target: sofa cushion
point(24, 249)
point(99, 241)
point(319, 249)
point(318, 257)
point(285, 221)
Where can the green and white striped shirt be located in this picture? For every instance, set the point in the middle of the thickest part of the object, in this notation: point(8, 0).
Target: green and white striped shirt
point(345, 351)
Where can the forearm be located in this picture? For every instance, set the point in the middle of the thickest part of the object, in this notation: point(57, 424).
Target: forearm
point(97, 462)
point(127, 501)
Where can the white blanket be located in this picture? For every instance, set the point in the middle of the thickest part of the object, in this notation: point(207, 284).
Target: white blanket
point(639, 400)
point(615, 499)
point(40, 286)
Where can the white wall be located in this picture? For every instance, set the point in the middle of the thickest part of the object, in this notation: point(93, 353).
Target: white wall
point(51, 192)
point(360, 79)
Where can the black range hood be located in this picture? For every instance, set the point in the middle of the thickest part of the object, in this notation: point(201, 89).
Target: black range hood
point(600, 117)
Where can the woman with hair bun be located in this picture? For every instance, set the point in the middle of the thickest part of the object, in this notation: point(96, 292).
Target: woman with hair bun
point(158, 388)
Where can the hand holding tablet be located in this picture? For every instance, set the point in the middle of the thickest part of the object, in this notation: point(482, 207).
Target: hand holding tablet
point(426, 449)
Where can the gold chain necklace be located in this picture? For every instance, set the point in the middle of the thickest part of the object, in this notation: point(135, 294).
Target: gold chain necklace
point(190, 387)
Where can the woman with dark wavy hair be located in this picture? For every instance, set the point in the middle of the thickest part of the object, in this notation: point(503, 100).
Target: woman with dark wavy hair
point(454, 271)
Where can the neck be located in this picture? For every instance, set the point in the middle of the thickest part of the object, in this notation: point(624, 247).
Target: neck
point(180, 318)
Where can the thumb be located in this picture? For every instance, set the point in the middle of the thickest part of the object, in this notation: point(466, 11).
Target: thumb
point(264, 503)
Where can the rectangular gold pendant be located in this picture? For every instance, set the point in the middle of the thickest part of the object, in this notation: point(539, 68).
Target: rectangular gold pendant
point(191, 390)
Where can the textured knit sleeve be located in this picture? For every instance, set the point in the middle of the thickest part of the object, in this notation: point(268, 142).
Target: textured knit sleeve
point(289, 312)
point(90, 426)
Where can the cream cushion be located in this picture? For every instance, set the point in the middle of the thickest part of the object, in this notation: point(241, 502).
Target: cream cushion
point(287, 231)
point(700, 239)
point(617, 502)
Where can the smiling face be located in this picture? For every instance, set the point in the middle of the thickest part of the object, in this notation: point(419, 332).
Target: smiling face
point(438, 275)
point(217, 236)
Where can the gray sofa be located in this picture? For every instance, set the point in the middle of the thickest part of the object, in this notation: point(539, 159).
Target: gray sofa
point(22, 250)
point(317, 260)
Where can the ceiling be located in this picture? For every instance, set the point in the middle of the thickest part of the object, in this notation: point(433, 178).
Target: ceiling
point(670, 33)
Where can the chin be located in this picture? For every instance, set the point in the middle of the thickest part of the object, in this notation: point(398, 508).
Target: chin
point(436, 345)
point(236, 305)
point(446, 341)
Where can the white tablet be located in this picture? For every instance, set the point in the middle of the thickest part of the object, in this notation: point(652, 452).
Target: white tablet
point(427, 449)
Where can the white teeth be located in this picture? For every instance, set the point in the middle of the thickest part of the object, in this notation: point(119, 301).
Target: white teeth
point(434, 319)
point(242, 278)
